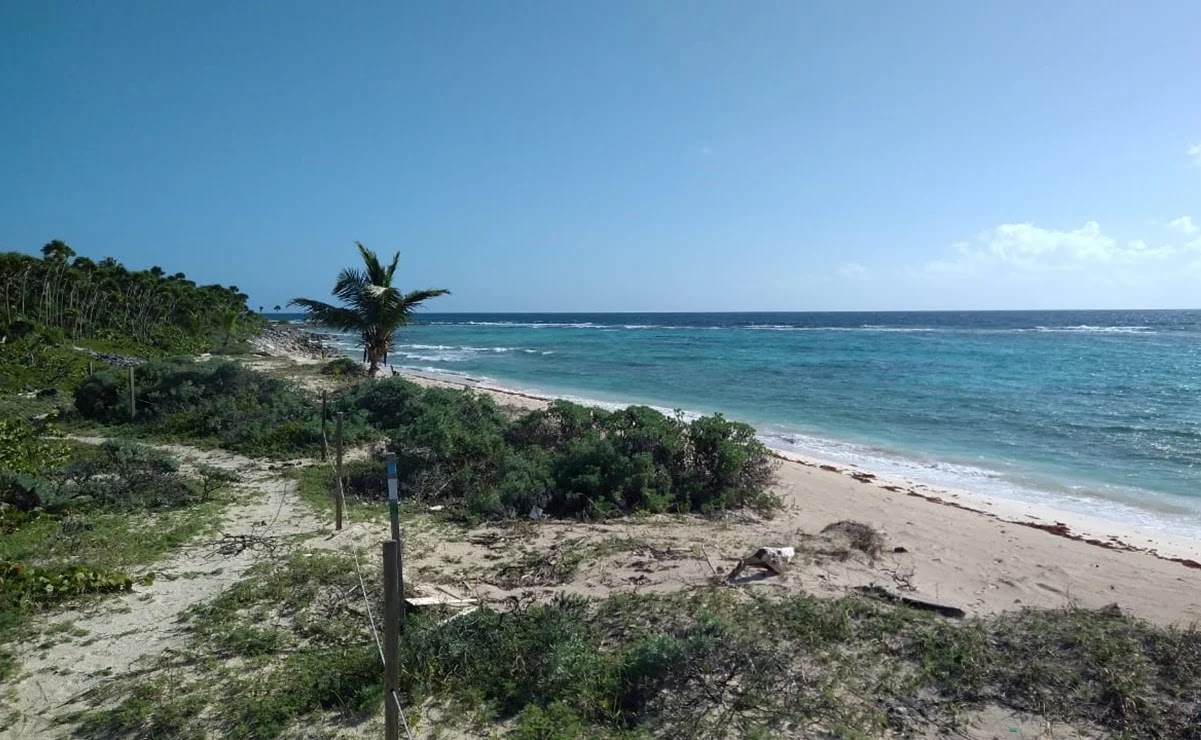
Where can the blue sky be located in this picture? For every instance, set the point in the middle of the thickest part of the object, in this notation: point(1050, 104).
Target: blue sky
point(619, 156)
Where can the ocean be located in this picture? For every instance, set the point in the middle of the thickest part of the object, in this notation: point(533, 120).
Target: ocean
point(1096, 412)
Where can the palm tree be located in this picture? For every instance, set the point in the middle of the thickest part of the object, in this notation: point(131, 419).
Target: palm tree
point(374, 307)
point(229, 322)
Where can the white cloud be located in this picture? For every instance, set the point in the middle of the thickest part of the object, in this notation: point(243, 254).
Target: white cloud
point(1029, 245)
point(1194, 153)
point(1028, 248)
point(1184, 225)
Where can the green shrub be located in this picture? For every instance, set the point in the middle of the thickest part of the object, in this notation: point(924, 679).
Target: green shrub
point(22, 586)
point(22, 450)
point(448, 443)
point(239, 409)
point(556, 722)
point(35, 361)
point(552, 665)
point(568, 460)
point(726, 465)
point(129, 477)
point(344, 367)
point(118, 476)
point(387, 404)
point(574, 461)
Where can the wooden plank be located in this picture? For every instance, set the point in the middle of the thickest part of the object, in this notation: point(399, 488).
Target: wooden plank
point(438, 600)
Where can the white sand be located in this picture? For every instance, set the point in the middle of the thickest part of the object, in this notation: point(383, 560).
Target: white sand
point(962, 549)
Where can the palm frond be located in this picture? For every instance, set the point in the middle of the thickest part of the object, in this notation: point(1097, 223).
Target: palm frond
point(323, 313)
point(390, 271)
point(417, 297)
point(350, 281)
point(371, 266)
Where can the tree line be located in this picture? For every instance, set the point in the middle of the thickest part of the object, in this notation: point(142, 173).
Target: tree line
point(85, 299)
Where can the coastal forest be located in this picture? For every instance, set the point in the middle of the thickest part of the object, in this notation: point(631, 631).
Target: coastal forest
point(102, 305)
point(170, 566)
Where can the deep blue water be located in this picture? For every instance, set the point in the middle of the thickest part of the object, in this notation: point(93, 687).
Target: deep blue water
point(1094, 411)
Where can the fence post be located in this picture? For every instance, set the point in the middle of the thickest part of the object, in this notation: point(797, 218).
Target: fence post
point(89, 368)
point(324, 416)
point(133, 406)
point(392, 619)
point(339, 497)
point(393, 495)
point(394, 516)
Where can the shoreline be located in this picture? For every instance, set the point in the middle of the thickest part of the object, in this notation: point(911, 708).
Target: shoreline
point(1091, 530)
point(945, 546)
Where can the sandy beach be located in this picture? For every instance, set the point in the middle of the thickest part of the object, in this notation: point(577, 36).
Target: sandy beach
point(950, 547)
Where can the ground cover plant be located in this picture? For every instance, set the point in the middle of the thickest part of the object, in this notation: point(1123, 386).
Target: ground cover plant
point(77, 519)
point(713, 663)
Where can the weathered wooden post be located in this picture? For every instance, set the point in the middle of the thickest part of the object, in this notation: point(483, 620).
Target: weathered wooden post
point(324, 418)
point(394, 516)
point(392, 624)
point(393, 495)
point(133, 406)
point(339, 497)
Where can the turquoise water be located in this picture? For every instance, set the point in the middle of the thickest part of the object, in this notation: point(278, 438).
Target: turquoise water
point(1096, 412)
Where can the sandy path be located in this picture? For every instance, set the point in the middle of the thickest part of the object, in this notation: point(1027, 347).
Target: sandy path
point(126, 633)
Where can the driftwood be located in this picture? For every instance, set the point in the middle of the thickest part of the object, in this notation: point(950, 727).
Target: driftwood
point(236, 544)
point(884, 594)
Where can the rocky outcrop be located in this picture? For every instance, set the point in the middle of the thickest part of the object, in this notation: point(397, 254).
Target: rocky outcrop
point(293, 340)
point(113, 359)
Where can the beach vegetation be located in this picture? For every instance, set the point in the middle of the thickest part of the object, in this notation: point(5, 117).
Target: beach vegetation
point(75, 518)
point(344, 367)
point(371, 305)
point(709, 663)
point(459, 448)
point(215, 402)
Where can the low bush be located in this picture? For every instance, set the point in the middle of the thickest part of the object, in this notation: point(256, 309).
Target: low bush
point(25, 590)
point(23, 587)
point(116, 476)
point(221, 402)
point(458, 446)
point(569, 460)
point(703, 664)
point(23, 450)
point(35, 361)
point(344, 367)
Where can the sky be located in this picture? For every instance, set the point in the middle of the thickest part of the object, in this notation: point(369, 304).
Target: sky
point(613, 156)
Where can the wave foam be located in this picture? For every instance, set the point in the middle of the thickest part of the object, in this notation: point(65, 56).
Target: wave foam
point(1087, 329)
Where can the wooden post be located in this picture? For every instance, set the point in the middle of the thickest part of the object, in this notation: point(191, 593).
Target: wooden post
point(133, 405)
point(393, 495)
point(324, 417)
point(339, 498)
point(89, 368)
point(392, 617)
point(394, 516)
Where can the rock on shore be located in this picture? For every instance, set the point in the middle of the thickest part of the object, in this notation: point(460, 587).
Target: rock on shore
point(292, 340)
